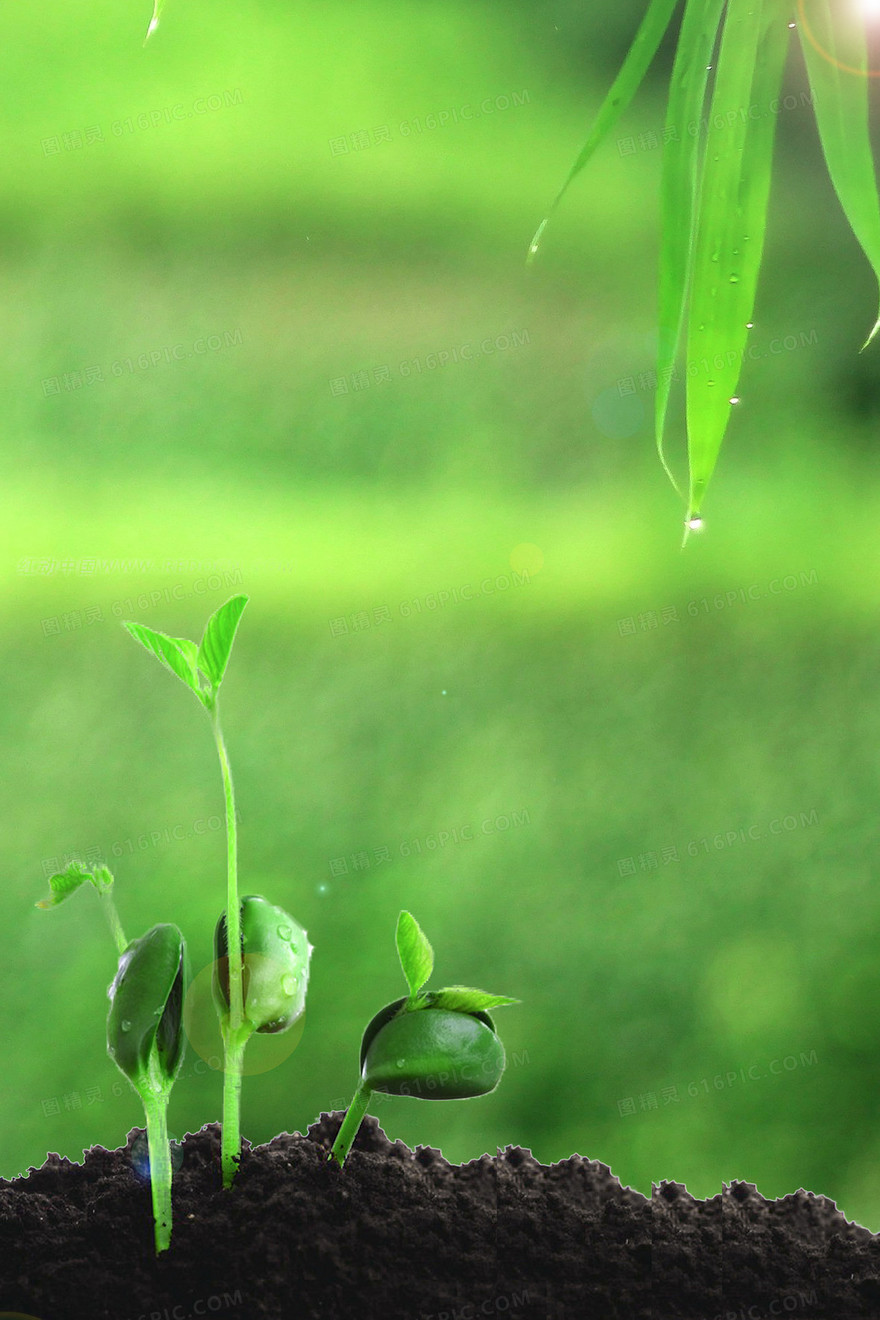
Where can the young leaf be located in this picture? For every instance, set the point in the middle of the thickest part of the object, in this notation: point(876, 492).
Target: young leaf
point(216, 644)
point(833, 42)
point(415, 953)
point(177, 654)
point(67, 882)
point(730, 227)
point(622, 91)
point(465, 999)
point(678, 190)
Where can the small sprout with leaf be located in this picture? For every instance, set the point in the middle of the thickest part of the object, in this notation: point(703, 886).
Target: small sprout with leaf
point(263, 987)
point(145, 1035)
point(443, 1040)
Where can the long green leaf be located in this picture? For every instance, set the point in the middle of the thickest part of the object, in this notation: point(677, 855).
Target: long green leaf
point(158, 6)
point(683, 141)
point(833, 41)
point(623, 89)
point(730, 233)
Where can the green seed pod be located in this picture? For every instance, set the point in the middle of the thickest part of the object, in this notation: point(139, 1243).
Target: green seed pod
point(145, 1024)
point(431, 1053)
point(275, 965)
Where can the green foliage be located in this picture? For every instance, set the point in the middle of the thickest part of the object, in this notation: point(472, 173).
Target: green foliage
point(185, 659)
point(716, 183)
point(728, 235)
point(835, 51)
point(64, 883)
point(642, 51)
point(415, 953)
point(216, 644)
point(176, 654)
point(158, 6)
point(464, 999)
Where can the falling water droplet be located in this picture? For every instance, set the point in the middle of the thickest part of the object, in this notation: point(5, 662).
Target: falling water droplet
point(288, 984)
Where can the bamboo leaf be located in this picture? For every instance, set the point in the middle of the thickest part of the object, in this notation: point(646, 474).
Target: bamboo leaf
point(833, 41)
point(623, 89)
point(158, 6)
point(682, 155)
point(730, 228)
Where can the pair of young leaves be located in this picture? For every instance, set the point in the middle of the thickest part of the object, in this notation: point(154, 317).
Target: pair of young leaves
point(417, 960)
point(715, 182)
point(187, 660)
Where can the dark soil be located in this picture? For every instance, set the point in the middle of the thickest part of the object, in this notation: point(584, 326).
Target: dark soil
point(404, 1235)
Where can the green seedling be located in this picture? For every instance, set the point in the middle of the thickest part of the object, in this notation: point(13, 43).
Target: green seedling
point(274, 961)
point(434, 1045)
point(145, 1025)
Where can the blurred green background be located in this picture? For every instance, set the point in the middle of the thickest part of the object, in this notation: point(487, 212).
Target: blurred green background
point(231, 265)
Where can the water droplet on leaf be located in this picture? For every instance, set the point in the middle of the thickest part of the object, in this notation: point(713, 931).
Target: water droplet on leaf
point(288, 984)
point(285, 932)
point(125, 1025)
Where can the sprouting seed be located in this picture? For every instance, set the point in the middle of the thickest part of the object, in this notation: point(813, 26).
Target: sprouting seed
point(433, 1045)
point(145, 1043)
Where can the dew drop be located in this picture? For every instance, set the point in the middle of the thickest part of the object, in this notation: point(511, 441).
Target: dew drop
point(288, 984)
point(749, 325)
point(710, 382)
point(734, 279)
point(734, 399)
point(401, 1062)
point(694, 524)
point(285, 932)
point(125, 1024)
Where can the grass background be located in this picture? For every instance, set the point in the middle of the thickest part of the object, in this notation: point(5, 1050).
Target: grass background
point(606, 721)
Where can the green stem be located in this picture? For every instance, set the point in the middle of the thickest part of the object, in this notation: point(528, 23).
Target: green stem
point(155, 1108)
point(233, 907)
point(351, 1123)
point(115, 924)
point(235, 1030)
point(230, 1148)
